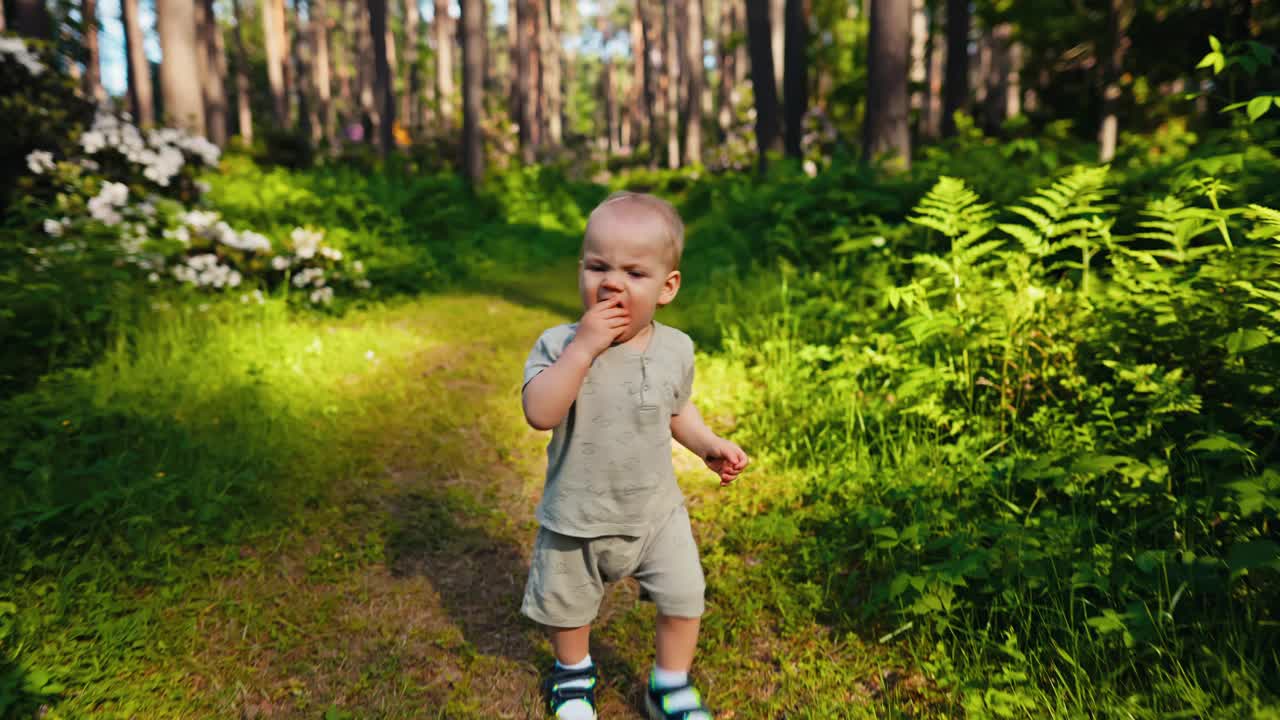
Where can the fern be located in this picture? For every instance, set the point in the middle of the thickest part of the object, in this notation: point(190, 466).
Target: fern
point(1065, 215)
point(954, 210)
point(1175, 225)
point(1268, 223)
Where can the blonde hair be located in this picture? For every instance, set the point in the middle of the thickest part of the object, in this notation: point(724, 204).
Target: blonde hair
point(672, 226)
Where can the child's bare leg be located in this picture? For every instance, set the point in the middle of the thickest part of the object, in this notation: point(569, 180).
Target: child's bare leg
point(571, 645)
point(677, 640)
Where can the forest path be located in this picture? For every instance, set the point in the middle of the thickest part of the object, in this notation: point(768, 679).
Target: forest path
point(400, 598)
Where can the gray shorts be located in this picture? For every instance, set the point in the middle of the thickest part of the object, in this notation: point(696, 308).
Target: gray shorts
point(567, 574)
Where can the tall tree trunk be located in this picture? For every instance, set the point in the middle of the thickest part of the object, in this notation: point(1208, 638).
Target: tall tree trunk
point(796, 78)
point(611, 130)
point(273, 39)
point(955, 91)
point(304, 66)
point(213, 69)
point(290, 50)
point(538, 26)
point(514, 102)
point(931, 125)
point(886, 128)
point(411, 102)
point(725, 66)
point(473, 54)
point(444, 61)
point(1118, 14)
point(363, 63)
point(140, 101)
point(552, 64)
point(322, 71)
point(384, 99)
point(92, 80)
point(778, 40)
point(244, 111)
point(1000, 78)
point(671, 63)
point(919, 62)
point(525, 79)
point(696, 82)
point(179, 70)
point(741, 54)
point(636, 102)
point(31, 19)
point(758, 38)
point(653, 96)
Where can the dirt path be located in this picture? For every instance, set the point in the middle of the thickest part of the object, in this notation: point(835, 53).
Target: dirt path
point(400, 598)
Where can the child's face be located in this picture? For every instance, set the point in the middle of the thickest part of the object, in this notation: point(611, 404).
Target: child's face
point(627, 260)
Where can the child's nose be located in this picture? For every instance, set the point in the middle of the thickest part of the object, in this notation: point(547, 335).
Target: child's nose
point(613, 281)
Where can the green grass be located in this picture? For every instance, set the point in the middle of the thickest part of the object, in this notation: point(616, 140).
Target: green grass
point(967, 500)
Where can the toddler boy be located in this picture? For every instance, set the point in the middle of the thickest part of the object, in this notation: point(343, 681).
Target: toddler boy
point(614, 387)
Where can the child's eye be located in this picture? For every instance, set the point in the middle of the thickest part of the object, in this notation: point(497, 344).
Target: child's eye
point(635, 274)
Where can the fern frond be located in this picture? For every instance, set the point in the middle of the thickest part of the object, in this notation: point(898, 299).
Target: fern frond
point(1268, 222)
point(951, 208)
point(1063, 209)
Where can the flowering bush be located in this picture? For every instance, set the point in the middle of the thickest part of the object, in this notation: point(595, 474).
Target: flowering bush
point(41, 109)
point(113, 208)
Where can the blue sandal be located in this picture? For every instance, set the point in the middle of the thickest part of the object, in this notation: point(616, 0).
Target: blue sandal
point(556, 694)
point(657, 700)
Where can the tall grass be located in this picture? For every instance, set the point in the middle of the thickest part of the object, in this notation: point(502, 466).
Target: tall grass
point(200, 427)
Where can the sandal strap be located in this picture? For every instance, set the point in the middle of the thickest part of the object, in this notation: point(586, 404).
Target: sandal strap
point(660, 695)
point(558, 696)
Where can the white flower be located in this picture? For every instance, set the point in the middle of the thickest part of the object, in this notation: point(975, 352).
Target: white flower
point(180, 233)
point(358, 266)
point(281, 262)
point(93, 140)
point(322, 296)
point(247, 240)
point(103, 206)
point(312, 276)
point(203, 187)
point(331, 253)
point(40, 161)
point(14, 46)
point(199, 220)
point(305, 242)
point(368, 355)
point(810, 168)
point(878, 241)
point(153, 277)
point(52, 228)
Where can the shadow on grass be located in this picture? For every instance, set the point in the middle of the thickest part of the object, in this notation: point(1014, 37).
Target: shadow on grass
point(480, 577)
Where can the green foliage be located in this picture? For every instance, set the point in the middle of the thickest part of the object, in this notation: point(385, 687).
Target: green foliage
point(40, 107)
point(1071, 438)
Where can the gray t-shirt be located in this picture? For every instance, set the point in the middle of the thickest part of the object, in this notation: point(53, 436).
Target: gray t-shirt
point(609, 461)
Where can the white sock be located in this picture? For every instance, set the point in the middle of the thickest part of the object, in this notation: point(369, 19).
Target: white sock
point(576, 709)
point(668, 678)
point(686, 699)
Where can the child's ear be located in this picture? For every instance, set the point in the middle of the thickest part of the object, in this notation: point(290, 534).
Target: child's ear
point(670, 287)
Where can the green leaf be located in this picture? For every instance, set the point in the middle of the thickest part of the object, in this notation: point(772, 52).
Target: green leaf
point(1258, 107)
point(1218, 443)
point(1246, 339)
point(1215, 44)
point(1254, 554)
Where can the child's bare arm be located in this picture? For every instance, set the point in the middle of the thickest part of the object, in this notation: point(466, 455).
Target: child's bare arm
point(691, 431)
point(724, 457)
point(549, 395)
